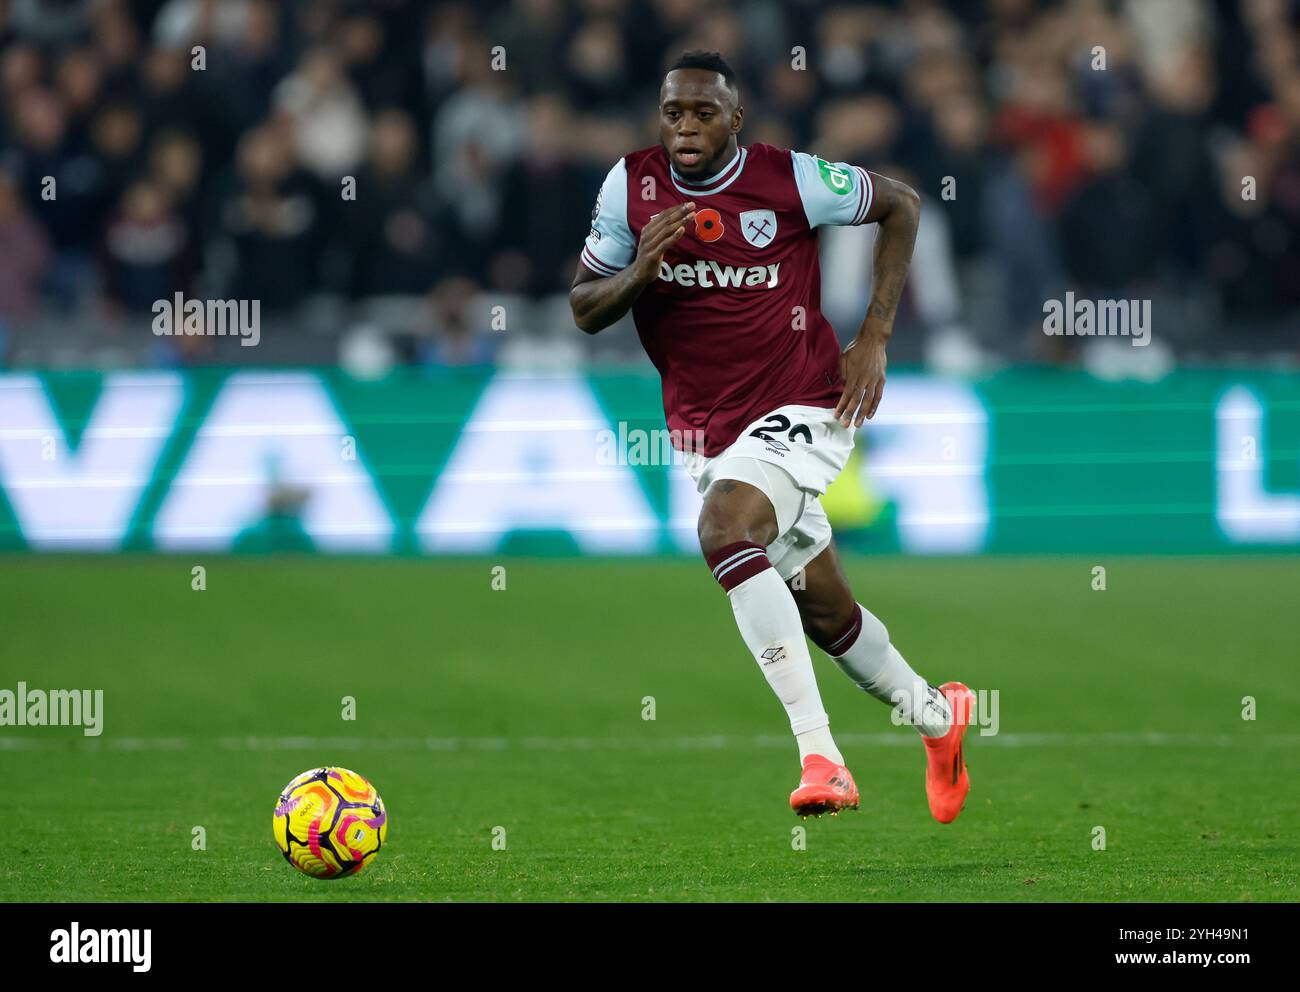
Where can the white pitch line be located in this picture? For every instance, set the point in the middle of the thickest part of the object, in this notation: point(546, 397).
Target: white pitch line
point(718, 742)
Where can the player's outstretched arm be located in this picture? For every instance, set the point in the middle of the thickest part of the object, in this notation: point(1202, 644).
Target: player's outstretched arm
point(897, 209)
point(598, 301)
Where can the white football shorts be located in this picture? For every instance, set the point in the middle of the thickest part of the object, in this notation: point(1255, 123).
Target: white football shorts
point(792, 455)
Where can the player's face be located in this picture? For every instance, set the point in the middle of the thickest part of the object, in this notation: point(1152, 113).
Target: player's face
point(698, 121)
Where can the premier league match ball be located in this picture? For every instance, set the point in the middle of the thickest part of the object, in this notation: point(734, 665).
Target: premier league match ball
point(329, 822)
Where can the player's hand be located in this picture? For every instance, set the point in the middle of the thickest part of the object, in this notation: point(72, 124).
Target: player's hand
point(661, 233)
point(862, 366)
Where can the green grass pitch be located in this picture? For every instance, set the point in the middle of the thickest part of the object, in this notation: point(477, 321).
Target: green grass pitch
point(522, 709)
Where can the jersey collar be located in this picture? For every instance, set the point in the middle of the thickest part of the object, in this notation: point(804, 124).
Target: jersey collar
point(715, 183)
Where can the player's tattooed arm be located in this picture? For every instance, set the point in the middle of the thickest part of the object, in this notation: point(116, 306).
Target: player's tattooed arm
point(598, 301)
point(897, 210)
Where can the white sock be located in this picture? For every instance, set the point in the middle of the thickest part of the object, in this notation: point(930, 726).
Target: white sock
point(818, 741)
point(769, 623)
point(875, 665)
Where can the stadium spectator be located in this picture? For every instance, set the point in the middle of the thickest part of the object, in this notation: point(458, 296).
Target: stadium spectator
point(456, 339)
point(148, 251)
point(1109, 227)
point(274, 221)
point(328, 118)
point(546, 201)
point(393, 245)
point(26, 251)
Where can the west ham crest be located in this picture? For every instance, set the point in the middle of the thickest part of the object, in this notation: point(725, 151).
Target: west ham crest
point(758, 227)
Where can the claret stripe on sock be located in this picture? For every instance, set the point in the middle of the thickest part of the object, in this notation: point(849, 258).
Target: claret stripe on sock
point(847, 636)
point(737, 562)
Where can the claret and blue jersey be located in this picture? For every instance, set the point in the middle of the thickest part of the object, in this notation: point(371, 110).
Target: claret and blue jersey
point(734, 322)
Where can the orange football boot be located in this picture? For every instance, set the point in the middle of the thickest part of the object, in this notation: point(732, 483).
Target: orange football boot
point(824, 787)
point(946, 781)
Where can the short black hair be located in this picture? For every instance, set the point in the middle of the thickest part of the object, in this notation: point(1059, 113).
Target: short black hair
point(711, 61)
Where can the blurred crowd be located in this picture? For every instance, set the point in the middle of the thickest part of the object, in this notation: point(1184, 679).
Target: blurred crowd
point(389, 177)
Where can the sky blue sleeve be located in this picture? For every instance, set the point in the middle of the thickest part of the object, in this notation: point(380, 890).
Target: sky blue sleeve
point(833, 193)
point(609, 247)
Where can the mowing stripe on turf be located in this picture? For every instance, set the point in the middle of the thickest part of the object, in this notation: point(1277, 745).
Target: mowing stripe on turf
point(717, 742)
